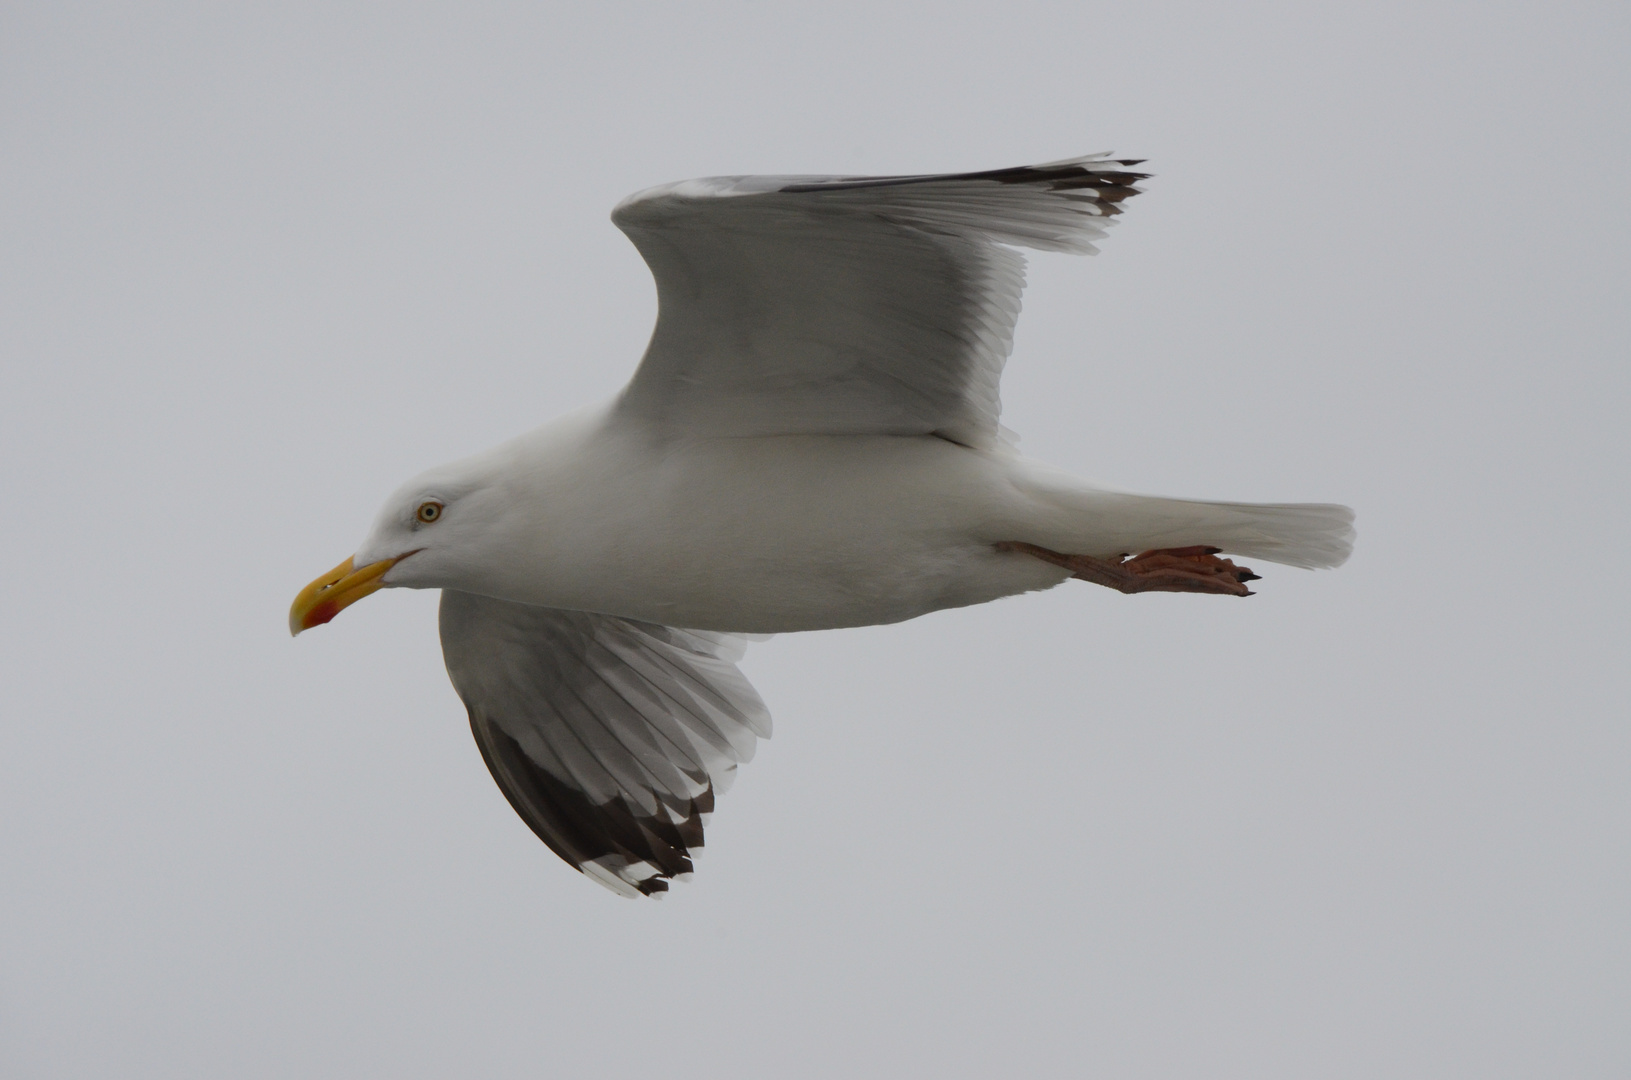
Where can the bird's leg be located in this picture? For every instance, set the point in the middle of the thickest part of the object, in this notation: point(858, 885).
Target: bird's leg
point(1187, 569)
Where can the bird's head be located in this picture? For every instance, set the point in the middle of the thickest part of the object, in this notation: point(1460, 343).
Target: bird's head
point(423, 535)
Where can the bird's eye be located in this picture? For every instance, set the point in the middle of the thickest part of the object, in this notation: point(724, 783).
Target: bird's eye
point(429, 511)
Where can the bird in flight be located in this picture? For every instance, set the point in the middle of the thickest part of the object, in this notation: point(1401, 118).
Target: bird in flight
point(810, 442)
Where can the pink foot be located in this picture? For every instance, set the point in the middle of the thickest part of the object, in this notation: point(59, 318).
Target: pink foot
point(1187, 569)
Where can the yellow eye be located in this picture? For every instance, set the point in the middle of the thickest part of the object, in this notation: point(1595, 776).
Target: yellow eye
point(429, 512)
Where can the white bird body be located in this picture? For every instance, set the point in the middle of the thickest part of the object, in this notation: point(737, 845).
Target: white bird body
point(597, 511)
point(811, 442)
point(750, 535)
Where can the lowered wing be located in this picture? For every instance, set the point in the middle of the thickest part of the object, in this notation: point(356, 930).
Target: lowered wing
point(609, 737)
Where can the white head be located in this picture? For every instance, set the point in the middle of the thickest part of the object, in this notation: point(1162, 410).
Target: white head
point(426, 537)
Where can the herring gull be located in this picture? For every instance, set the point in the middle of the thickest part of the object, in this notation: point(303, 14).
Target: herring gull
point(810, 442)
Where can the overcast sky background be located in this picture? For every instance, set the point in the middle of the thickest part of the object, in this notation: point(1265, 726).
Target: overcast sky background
point(262, 262)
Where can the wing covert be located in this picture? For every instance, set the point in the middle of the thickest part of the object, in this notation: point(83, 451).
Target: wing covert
point(609, 737)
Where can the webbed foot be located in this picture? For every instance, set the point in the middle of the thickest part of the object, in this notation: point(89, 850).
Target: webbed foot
point(1187, 569)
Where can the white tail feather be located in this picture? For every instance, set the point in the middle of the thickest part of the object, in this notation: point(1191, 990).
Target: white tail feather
point(1313, 535)
point(1087, 521)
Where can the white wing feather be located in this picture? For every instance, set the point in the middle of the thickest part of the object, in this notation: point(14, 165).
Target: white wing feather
point(609, 737)
point(850, 305)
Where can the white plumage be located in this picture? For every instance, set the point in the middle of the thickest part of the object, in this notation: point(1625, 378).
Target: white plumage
point(811, 441)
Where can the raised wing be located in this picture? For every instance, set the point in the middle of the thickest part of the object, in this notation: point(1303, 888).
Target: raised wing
point(609, 737)
point(850, 305)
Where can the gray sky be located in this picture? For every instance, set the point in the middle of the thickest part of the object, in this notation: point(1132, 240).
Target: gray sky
point(262, 262)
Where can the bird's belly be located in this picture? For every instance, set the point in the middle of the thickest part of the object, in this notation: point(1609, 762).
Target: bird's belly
point(770, 593)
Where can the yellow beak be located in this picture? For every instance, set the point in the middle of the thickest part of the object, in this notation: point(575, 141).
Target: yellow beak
point(334, 592)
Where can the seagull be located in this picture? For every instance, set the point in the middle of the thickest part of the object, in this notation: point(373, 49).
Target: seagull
point(811, 441)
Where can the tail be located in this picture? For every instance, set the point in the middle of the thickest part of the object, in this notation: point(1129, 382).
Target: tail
point(1312, 535)
point(1087, 521)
